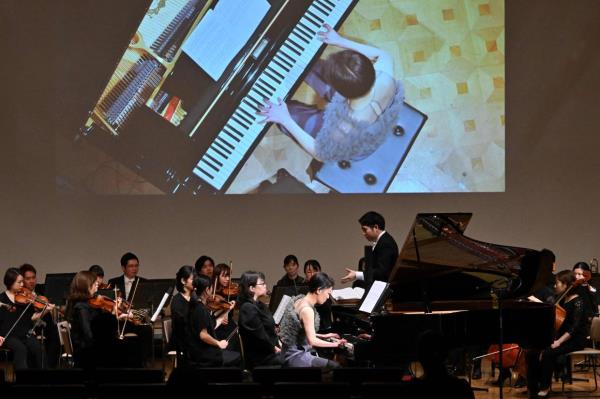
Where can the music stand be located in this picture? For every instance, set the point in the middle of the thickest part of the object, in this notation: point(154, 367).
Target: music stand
point(149, 293)
point(279, 291)
point(56, 287)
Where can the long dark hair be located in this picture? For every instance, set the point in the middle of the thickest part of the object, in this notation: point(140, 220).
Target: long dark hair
point(319, 281)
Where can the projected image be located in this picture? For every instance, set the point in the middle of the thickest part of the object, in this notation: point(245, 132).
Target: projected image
point(302, 96)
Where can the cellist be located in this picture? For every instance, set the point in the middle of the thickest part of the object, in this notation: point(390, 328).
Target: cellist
point(571, 336)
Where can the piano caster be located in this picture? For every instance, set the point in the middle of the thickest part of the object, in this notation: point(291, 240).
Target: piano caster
point(344, 164)
point(370, 179)
point(399, 131)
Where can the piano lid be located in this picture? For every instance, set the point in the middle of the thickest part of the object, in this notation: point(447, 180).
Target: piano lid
point(438, 262)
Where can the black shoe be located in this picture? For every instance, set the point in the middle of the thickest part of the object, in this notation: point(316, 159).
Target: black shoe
point(520, 382)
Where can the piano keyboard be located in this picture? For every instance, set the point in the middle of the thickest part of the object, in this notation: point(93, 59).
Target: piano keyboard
point(236, 138)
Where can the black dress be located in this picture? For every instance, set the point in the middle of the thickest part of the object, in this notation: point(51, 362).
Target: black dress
point(180, 309)
point(27, 352)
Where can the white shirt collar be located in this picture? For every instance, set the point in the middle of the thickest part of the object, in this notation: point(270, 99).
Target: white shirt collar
point(378, 237)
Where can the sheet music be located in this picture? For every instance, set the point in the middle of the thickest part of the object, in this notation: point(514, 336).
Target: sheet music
point(348, 293)
point(160, 306)
point(223, 32)
point(377, 289)
point(278, 315)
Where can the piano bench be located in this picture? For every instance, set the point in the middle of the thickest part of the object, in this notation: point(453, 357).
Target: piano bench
point(375, 173)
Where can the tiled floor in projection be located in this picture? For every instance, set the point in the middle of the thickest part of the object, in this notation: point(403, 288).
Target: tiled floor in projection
point(449, 54)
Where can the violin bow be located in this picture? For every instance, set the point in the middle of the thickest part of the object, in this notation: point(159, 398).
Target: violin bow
point(137, 282)
point(17, 321)
point(230, 277)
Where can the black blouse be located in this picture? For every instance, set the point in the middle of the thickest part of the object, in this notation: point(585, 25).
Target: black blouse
point(9, 317)
point(576, 322)
point(257, 328)
point(199, 352)
point(180, 308)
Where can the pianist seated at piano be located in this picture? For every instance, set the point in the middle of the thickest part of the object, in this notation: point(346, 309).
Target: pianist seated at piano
point(300, 323)
point(311, 268)
point(363, 102)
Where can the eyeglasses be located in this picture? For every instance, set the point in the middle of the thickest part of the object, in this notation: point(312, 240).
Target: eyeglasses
point(261, 284)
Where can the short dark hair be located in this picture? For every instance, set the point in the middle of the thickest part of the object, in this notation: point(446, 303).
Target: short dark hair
point(372, 219)
point(127, 257)
point(183, 273)
point(249, 279)
point(362, 264)
point(548, 254)
point(566, 277)
point(350, 73)
point(26, 267)
point(290, 258)
point(582, 266)
point(11, 276)
point(200, 261)
point(313, 263)
point(319, 281)
point(97, 270)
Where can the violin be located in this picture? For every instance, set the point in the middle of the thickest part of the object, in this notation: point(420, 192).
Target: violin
point(39, 302)
point(108, 305)
point(217, 303)
point(105, 286)
point(233, 289)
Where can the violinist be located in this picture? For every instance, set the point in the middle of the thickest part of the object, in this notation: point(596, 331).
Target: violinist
point(204, 349)
point(205, 266)
point(589, 294)
point(128, 284)
point(571, 336)
point(180, 308)
point(14, 332)
point(291, 277)
point(257, 327)
point(47, 325)
point(223, 292)
point(99, 272)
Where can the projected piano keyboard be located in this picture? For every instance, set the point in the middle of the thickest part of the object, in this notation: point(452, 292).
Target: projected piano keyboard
point(235, 139)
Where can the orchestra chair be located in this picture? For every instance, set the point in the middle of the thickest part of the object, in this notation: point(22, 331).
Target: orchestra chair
point(49, 376)
point(267, 376)
point(149, 390)
point(64, 336)
point(167, 326)
point(329, 390)
point(129, 376)
point(375, 173)
point(63, 391)
point(592, 355)
point(9, 372)
point(357, 375)
point(246, 390)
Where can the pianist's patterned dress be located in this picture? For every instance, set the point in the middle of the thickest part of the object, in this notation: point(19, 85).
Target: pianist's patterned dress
point(296, 350)
point(339, 136)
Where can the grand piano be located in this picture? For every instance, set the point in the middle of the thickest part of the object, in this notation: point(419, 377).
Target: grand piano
point(216, 128)
point(457, 286)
